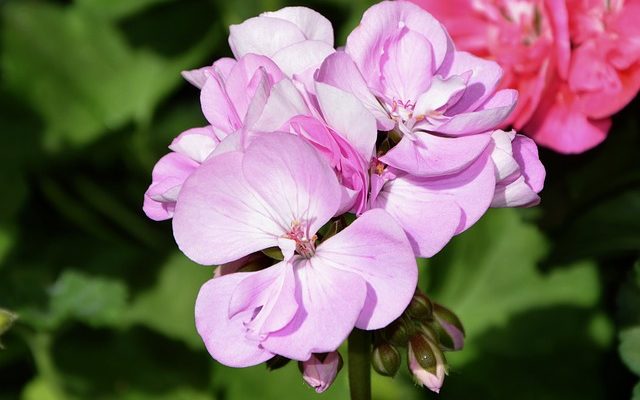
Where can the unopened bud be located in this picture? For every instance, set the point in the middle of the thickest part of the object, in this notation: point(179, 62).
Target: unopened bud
point(397, 333)
point(385, 359)
point(426, 362)
point(420, 307)
point(449, 327)
point(277, 362)
point(321, 370)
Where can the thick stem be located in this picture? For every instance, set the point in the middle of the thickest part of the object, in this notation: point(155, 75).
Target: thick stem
point(360, 365)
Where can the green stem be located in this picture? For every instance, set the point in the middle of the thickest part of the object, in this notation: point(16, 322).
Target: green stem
point(360, 365)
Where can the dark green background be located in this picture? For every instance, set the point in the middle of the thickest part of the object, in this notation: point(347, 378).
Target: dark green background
point(91, 95)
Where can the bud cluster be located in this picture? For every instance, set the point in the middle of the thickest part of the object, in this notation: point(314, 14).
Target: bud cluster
point(427, 330)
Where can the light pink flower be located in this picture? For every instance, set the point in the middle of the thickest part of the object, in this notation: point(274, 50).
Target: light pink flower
point(321, 370)
point(432, 210)
point(297, 39)
point(279, 192)
point(519, 172)
point(401, 64)
point(336, 124)
point(189, 150)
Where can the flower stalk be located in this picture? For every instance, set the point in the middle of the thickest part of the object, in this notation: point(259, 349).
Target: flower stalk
point(360, 365)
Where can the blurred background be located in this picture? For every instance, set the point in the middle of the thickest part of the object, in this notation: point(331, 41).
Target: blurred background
point(90, 97)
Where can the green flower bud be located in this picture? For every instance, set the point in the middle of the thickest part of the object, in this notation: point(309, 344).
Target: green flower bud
point(397, 333)
point(426, 362)
point(386, 359)
point(277, 362)
point(449, 328)
point(420, 307)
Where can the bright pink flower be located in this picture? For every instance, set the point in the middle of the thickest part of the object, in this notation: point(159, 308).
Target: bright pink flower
point(189, 150)
point(574, 62)
point(321, 370)
point(519, 172)
point(528, 38)
point(604, 76)
point(279, 192)
point(401, 64)
point(297, 39)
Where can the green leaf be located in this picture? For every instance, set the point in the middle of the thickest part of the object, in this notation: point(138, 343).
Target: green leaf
point(42, 389)
point(520, 322)
point(630, 348)
point(116, 8)
point(94, 81)
point(168, 307)
point(93, 300)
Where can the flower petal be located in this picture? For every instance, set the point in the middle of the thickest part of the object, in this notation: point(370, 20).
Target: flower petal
point(196, 143)
point(313, 25)
point(431, 155)
point(263, 36)
point(340, 71)
point(224, 337)
point(299, 57)
point(219, 218)
point(376, 248)
point(489, 116)
point(293, 179)
point(330, 301)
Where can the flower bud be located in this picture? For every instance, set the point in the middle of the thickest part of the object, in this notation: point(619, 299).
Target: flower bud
point(449, 328)
point(321, 370)
point(426, 362)
point(397, 333)
point(420, 307)
point(385, 359)
point(277, 362)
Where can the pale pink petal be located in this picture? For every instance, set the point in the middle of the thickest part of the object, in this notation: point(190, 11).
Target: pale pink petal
point(347, 115)
point(515, 194)
point(293, 179)
point(313, 25)
point(300, 57)
point(269, 292)
point(525, 153)
point(407, 67)
point(219, 218)
point(284, 103)
point(167, 178)
point(431, 155)
point(489, 116)
point(502, 155)
point(223, 336)
point(376, 248)
point(381, 21)
point(441, 93)
point(340, 71)
point(217, 107)
point(245, 77)
point(485, 76)
point(471, 190)
point(195, 143)
point(329, 300)
point(198, 77)
point(263, 36)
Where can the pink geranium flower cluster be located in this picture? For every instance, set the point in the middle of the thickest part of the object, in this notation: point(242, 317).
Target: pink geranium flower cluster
point(397, 133)
point(574, 62)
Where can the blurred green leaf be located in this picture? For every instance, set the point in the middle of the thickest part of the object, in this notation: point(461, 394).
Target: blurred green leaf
point(116, 8)
point(94, 82)
point(168, 307)
point(42, 389)
point(611, 227)
point(630, 348)
point(96, 301)
point(518, 320)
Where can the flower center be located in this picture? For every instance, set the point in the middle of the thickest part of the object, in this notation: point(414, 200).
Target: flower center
point(304, 246)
